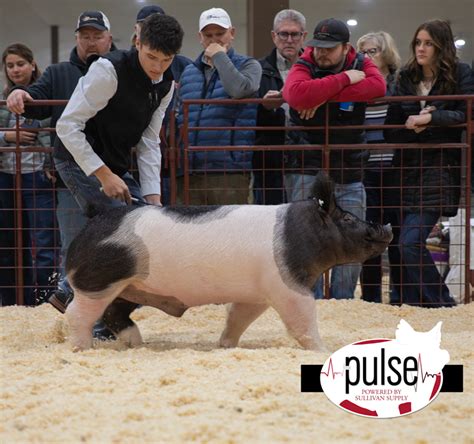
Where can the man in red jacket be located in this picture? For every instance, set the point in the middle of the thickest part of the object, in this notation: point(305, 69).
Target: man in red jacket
point(330, 70)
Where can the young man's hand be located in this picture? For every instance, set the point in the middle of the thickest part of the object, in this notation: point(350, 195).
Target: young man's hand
point(16, 101)
point(112, 185)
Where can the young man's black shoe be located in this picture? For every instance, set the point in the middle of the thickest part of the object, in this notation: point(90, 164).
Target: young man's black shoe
point(60, 299)
point(102, 332)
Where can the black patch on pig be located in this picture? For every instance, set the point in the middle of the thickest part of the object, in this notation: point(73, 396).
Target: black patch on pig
point(117, 315)
point(97, 264)
point(302, 247)
point(198, 213)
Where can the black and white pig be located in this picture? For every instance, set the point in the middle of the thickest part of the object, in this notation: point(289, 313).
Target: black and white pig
point(251, 256)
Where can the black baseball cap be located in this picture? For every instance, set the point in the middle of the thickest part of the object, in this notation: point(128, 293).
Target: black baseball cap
point(93, 19)
point(329, 33)
point(146, 11)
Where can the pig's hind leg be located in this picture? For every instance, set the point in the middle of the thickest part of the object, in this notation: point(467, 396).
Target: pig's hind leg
point(239, 317)
point(298, 313)
point(117, 318)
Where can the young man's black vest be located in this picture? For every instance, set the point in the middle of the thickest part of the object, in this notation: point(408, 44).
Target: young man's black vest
point(117, 128)
point(352, 113)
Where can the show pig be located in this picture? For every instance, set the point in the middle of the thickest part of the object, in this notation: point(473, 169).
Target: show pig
point(250, 256)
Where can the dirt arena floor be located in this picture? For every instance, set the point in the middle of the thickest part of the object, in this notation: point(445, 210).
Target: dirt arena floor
point(180, 387)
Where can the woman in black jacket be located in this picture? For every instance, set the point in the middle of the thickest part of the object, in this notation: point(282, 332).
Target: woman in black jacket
point(430, 177)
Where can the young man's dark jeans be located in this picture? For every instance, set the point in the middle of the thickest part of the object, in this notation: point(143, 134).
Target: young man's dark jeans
point(86, 189)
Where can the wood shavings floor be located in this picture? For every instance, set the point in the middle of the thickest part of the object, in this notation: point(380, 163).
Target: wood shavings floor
point(180, 387)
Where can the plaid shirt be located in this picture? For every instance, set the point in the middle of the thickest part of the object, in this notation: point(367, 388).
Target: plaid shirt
point(30, 162)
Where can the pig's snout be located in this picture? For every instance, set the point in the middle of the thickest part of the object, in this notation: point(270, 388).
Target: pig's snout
point(387, 229)
point(380, 233)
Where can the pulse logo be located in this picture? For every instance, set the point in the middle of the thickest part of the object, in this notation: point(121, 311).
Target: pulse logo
point(385, 378)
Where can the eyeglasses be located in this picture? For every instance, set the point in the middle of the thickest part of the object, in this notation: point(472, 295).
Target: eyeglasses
point(295, 36)
point(371, 51)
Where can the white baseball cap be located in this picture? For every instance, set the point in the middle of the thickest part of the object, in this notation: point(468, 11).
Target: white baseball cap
point(214, 16)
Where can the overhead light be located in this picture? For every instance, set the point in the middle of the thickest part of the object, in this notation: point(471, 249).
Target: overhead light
point(352, 22)
point(459, 43)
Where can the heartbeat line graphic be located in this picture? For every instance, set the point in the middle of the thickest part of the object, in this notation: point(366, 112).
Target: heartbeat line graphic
point(423, 375)
point(331, 370)
point(420, 374)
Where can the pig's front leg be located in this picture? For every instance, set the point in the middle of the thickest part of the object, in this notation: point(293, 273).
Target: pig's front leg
point(239, 317)
point(81, 314)
point(298, 313)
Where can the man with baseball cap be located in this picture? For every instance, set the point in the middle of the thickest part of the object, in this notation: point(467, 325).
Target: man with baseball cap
point(142, 14)
point(93, 37)
point(331, 70)
point(219, 177)
point(93, 19)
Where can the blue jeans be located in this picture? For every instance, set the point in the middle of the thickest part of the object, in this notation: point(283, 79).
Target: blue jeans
point(86, 189)
point(70, 220)
point(421, 282)
point(350, 197)
point(382, 200)
point(40, 245)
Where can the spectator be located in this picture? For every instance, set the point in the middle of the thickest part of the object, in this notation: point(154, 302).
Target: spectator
point(119, 104)
point(37, 192)
point(219, 177)
point(379, 175)
point(331, 70)
point(93, 37)
point(288, 35)
point(430, 178)
point(177, 67)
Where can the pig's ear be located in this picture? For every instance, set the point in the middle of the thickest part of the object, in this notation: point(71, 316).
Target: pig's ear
point(323, 192)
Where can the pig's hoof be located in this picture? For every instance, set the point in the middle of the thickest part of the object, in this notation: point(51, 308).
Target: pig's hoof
point(78, 346)
point(228, 343)
point(80, 343)
point(131, 336)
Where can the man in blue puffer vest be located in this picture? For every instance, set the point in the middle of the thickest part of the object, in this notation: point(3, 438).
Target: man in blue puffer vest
point(219, 73)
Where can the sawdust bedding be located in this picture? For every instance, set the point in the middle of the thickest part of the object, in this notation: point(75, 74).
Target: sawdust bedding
point(180, 387)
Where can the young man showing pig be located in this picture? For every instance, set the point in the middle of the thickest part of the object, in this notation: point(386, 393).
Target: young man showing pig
point(331, 70)
point(119, 104)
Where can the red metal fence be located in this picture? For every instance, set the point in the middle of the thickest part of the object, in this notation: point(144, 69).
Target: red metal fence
point(177, 159)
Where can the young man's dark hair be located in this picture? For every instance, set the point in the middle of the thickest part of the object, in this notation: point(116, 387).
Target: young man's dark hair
point(162, 33)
